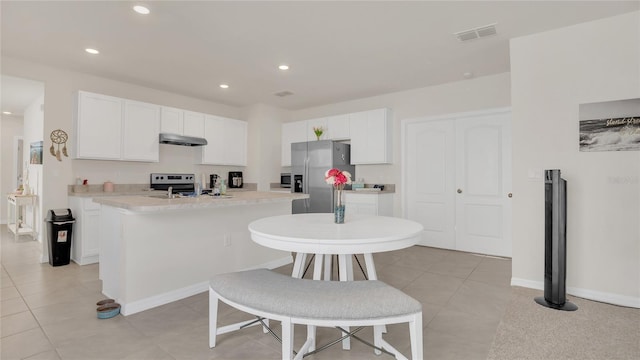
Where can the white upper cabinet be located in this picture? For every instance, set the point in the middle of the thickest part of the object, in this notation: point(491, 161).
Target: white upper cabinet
point(212, 153)
point(236, 142)
point(111, 128)
point(171, 120)
point(317, 123)
point(98, 125)
point(227, 141)
point(141, 127)
point(193, 124)
point(338, 127)
point(292, 132)
point(370, 133)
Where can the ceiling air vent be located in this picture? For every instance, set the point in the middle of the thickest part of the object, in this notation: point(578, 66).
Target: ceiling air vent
point(475, 33)
point(283, 93)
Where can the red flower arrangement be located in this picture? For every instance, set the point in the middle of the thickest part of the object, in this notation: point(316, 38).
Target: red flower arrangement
point(337, 178)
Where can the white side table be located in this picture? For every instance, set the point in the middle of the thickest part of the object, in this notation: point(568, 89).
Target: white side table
point(16, 203)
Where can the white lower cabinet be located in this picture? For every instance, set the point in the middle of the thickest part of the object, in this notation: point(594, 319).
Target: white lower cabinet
point(86, 230)
point(358, 203)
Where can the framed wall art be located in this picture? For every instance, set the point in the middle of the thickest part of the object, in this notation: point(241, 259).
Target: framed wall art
point(610, 126)
point(35, 153)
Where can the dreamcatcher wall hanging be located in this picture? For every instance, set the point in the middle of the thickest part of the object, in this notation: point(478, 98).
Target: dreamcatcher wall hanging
point(59, 137)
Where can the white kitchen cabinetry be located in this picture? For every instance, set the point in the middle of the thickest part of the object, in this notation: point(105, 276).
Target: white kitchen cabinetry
point(98, 124)
point(227, 141)
point(111, 128)
point(193, 124)
point(292, 132)
point(141, 127)
point(358, 203)
point(338, 127)
point(171, 120)
point(370, 133)
point(86, 231)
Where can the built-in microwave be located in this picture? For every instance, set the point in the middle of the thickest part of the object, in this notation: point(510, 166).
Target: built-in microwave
point(285, 180)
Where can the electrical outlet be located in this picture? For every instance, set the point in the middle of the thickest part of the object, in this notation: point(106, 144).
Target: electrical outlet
point(227, 240)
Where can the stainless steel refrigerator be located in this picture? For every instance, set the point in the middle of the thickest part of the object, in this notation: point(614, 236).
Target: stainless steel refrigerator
point(309, 162)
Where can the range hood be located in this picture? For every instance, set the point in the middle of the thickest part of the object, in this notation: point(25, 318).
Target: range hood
point(175, 139)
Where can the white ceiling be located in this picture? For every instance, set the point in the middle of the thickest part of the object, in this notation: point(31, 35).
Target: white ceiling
point(337, 51)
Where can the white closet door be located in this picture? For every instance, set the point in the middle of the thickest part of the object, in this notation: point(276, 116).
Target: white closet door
point(483, 181)
point(457, 172)
point(430, 174)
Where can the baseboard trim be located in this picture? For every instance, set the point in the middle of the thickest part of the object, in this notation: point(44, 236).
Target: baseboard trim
point(86, 260)
point(175, 295)
point(273, 264)
point(609, 298)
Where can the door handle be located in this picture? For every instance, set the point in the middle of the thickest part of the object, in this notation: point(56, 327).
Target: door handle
point(510, 195)
point(459, 191)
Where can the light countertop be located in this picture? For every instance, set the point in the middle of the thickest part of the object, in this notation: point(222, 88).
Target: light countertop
point(144, 203)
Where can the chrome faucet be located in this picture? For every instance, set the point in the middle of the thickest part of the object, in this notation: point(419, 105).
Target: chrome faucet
point(170, 192)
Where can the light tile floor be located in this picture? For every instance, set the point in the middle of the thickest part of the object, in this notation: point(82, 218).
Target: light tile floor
point(49, 312)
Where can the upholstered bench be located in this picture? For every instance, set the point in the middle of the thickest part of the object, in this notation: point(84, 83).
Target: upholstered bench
point(289, 300)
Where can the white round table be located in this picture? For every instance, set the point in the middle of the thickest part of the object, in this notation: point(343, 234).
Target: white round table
point(318, 234)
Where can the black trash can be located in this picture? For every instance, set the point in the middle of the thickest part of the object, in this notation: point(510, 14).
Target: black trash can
point(60, 230)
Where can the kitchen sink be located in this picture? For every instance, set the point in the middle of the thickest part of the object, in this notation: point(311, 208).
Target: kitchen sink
point(177, 196)
point(163, 196)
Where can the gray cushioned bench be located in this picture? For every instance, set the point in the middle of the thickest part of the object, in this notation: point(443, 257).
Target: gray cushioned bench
point(316, 303)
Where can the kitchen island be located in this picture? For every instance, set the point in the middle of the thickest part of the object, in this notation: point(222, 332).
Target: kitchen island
point(154, 251)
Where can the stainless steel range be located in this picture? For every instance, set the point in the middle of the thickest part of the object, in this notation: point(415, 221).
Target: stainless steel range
point(180, 183)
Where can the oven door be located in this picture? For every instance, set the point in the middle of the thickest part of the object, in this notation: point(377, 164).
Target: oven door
point(285, 180)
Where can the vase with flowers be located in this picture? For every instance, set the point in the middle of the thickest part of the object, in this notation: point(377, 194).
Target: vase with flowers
point(338, 179)
point(318, 131)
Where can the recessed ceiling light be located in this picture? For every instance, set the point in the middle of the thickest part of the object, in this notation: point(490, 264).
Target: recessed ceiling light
point(224, 86)
point(92, 51)
point(141, 10)
point(283, 67)
point(7, 112)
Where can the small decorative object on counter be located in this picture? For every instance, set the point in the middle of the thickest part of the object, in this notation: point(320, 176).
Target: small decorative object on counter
point(223, 187)
point(338, 179)
point(358, 184)
point(107, 186)
point(318, 131)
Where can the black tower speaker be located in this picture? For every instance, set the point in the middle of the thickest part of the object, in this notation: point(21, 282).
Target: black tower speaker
point(555, 243)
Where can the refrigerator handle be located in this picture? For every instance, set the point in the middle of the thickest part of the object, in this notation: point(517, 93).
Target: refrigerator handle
point(305, 181)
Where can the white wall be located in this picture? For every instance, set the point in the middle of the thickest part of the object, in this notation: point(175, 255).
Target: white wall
point(33, 125)
point(10, 128)
point(552, 73)
point(474, 94)
point(263, 158)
